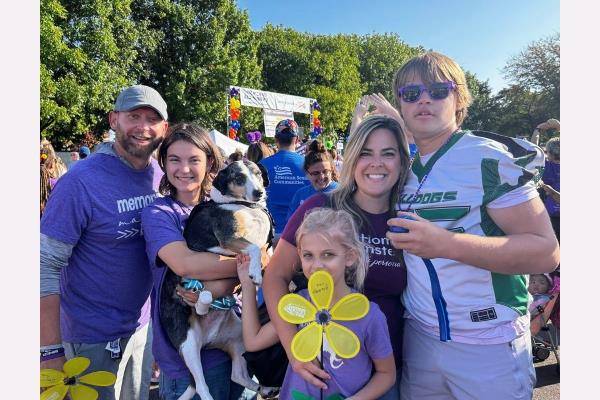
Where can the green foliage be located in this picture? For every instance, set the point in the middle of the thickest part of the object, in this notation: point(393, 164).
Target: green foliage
point(201, 48)
point(316, 66)
point(192, 51)
point(86, 52)
point(482, 113)
point(535, 93)
point(380, 57)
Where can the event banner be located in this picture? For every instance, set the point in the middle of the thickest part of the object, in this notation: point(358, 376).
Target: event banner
point(272, 118)
point(274, 101)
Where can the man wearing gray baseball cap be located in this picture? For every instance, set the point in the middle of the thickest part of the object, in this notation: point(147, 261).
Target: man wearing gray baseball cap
point(95, 280)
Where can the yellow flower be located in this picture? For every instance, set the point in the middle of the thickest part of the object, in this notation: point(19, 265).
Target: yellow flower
point(296, 309)
point(59, 381)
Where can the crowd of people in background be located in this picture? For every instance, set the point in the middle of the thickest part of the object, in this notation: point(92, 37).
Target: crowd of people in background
point(439, 226)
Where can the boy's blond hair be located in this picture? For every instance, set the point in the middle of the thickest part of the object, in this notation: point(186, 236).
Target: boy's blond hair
point(433, 67)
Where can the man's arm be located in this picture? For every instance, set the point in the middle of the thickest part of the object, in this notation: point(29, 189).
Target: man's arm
point(529, 246)
point(54, 255)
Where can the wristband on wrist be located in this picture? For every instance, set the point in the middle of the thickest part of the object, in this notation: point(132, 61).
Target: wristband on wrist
point(49, 354)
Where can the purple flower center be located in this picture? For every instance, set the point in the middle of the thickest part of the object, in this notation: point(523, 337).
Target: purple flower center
point(323, 317)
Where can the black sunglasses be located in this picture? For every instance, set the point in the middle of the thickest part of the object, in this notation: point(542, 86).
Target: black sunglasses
point(437, 91)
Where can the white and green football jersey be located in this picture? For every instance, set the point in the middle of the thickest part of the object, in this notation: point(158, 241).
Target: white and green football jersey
point(464, 177)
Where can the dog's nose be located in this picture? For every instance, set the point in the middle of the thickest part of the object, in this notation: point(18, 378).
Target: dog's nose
point(258, 194)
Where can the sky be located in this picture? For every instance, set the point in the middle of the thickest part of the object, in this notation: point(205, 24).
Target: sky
point(481, 35)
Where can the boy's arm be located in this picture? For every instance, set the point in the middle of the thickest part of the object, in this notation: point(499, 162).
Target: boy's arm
point(381, 381)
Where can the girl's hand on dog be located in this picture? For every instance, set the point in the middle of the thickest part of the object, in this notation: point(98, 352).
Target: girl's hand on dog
point(189, 297)
point(243, 265)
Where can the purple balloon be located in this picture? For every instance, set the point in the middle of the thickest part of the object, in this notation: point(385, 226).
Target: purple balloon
point(233, 92)
point(318, 130)
point(237, 138)
point(316, 106)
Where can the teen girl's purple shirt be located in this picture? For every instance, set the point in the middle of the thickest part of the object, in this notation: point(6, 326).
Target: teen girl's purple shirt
point(96, 208)
point(386, 278)
point(348, 375)
point(163, 223)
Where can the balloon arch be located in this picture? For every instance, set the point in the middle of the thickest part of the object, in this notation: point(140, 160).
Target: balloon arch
point(274, 105)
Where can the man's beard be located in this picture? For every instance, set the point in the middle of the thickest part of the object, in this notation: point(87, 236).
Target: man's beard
point(135, 150)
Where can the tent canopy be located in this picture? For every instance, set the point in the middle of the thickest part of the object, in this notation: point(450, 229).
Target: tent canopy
point(229, 146)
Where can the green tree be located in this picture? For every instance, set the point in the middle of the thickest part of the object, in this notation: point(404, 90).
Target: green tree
point(518, 111)
point(381, 55)
point(317, 66)
point(483, 112)
point(86, 52)
point(537, 69)
point(202, 47)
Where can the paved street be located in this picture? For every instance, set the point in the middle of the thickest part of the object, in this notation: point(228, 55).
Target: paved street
point(547, 388)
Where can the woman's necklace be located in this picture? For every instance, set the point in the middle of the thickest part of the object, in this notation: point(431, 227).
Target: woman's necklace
point(412, 160)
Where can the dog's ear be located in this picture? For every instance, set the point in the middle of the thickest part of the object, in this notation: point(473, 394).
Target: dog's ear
point(220, 181)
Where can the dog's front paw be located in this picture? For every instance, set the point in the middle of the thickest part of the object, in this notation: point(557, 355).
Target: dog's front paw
point(256, 278)
point(267, 392)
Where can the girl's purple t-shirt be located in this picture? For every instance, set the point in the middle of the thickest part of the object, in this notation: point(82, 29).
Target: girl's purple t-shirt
point(163, 223)
point(348, 375)
point(386, 278)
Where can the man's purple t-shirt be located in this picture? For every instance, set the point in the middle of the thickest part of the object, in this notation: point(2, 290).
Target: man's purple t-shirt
point(551, 177)
point(348, 375)
point(386, 278)
point(96, 207)
point(163, 223)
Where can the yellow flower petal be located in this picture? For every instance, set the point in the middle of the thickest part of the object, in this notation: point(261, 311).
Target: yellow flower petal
point(350, 307)
point(99, 378)
point(50, 377)
point(82, 392)
point(342, 340)
point(320, 288)
point(307, 342)
point(57, 392)
point(76, 366)
point(296, 309)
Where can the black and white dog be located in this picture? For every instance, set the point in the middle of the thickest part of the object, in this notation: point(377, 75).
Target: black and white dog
point(234, 221)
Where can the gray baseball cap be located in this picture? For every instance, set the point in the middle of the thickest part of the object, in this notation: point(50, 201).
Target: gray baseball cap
point(138, 96)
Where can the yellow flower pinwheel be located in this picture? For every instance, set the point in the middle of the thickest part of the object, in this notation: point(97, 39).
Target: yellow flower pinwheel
point(69, 379)
point(296, 309)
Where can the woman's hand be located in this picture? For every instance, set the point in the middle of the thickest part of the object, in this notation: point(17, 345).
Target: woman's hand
point(423, 239)
point(310, 372)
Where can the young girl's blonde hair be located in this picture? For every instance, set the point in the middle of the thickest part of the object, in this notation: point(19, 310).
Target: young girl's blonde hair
point(339, 226)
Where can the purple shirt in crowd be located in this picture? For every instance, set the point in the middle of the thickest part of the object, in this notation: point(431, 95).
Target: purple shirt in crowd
point(348, 375)
point(551, 177)
point(96, 208)
point(163, 223)
point(386, 278)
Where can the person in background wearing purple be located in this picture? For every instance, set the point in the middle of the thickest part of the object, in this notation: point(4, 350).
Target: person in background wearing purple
point(95, 280)
point(190, 161)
